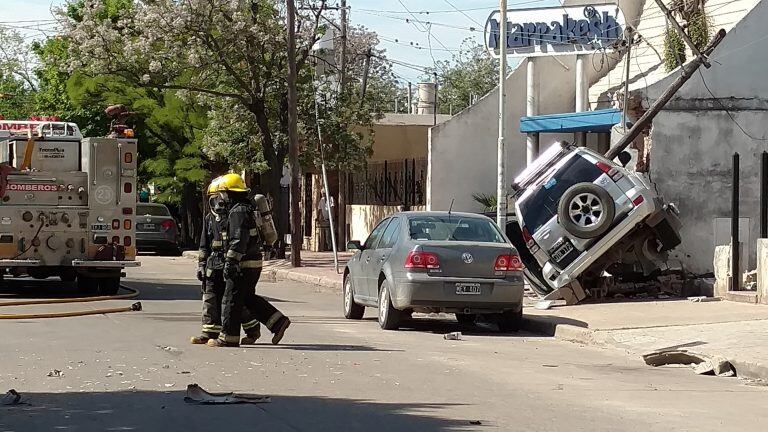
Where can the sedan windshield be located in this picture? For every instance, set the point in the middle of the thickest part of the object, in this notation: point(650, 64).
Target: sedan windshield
point(152, 210)
point(454, 228)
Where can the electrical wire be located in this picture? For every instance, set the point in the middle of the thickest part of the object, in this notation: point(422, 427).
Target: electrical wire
point(733, 119)
point(463, 13)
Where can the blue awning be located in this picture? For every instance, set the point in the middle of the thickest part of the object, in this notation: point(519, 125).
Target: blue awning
point(587, 121)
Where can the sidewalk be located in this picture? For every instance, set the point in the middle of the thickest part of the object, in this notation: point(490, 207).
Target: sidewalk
point(736, 331)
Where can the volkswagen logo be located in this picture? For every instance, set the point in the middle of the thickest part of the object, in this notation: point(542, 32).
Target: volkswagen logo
point(467, 258)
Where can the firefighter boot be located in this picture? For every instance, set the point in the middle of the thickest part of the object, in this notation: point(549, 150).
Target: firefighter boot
point(279, 329)
point(202, 339)
point(251, 336)
point(222, 342)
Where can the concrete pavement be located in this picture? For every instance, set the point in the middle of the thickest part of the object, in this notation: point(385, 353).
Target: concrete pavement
point(128, 372)
point(736, 331)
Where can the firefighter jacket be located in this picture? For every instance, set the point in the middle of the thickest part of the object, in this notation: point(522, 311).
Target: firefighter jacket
point(213, 242)
point(245, 241)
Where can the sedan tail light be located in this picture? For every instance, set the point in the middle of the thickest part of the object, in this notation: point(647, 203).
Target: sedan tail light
point(422, 260)
point(168, 224)
point(508, 263)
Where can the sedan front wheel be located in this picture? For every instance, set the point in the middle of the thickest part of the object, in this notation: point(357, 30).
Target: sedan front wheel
point(352, 310)
point(389, 317)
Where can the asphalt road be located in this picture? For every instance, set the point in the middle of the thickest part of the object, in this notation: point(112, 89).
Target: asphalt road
point(129, 372)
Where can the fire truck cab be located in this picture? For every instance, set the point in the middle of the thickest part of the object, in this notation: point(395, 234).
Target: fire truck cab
point(67, 204)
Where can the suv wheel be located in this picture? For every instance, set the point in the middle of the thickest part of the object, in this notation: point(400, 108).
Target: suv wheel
point(586, 210)
point(389, 317)
point(352, 310)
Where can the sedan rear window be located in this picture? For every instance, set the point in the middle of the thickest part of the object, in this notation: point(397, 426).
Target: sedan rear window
point(454, 228)
point(541, 206)
point(155, 210)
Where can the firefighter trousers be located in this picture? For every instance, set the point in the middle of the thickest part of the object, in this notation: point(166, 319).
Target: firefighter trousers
point(239, 295)
point(213, 296)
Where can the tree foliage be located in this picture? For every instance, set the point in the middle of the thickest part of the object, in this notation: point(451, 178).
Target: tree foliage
point(471, 73)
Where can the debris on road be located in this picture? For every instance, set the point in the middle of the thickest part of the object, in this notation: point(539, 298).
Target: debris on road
point(702, 364)
point(452, 336)
point(197, 395)
point(475, 422)
point(56, 373)
point(702, 299)
point(12, 397)
point(544, 304)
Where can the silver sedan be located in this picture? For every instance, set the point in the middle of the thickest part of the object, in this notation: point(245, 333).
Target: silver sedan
point(435, 262)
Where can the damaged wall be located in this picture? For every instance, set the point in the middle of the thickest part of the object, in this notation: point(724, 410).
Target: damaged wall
point(694, 139)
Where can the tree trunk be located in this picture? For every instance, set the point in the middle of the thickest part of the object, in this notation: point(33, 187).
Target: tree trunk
point(341, 238)
point(193, 214)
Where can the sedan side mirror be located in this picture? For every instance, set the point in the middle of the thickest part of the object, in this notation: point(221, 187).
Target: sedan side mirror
point(625, 158)
point(354, 245)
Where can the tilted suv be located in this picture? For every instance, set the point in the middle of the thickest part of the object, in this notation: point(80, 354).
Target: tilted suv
point(582, 214)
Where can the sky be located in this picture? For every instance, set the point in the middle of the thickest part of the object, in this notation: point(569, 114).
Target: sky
point(414, 32)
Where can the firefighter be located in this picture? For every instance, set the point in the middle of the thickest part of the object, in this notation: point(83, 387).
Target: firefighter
point(242, 267)
point(210, 271)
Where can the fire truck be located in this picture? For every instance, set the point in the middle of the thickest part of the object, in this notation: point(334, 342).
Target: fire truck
point(67, 203)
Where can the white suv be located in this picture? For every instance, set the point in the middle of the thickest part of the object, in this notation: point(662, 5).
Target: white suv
point(582, 215)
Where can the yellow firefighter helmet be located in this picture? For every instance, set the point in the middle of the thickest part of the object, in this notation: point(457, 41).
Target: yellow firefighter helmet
point(228, 183)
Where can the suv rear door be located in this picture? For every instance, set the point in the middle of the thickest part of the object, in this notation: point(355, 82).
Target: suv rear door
point(539, 209)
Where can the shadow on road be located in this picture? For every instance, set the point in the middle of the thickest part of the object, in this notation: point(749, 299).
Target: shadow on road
point(320, 347)
point(155, 411)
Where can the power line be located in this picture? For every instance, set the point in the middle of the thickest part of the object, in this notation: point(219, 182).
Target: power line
point(463, 13)
point(472, 9)
point(414, 16)
point(733, 119)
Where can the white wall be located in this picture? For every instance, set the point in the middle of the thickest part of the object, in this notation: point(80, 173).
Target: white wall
point(694, 139)
point(462, 151)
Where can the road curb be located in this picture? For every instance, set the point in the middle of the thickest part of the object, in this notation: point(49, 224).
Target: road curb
point(276, 275)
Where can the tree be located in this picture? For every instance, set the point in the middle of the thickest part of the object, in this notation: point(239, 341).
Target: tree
point(471, 74)
point(16, 85)
point(220, 51)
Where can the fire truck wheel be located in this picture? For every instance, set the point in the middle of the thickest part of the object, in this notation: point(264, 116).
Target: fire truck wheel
point(109, 286)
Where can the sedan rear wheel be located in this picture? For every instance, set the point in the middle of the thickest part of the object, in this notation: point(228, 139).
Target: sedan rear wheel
point(389, 317)
point(352, 310)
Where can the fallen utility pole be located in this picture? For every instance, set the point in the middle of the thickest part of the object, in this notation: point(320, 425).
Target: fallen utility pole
point(686, 73)
point(683, 34)
point(293, 137)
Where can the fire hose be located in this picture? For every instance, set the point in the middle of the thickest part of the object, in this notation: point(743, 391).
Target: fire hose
point(133, 293)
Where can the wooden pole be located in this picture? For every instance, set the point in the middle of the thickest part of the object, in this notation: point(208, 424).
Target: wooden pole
point(686, 73)
point(297, 236)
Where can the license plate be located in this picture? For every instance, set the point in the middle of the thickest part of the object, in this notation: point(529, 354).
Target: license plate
point(468, 288)
point(148, 226)
point(99, 227)
point(562, 251)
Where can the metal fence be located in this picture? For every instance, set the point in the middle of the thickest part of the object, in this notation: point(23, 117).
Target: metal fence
point(395, 182)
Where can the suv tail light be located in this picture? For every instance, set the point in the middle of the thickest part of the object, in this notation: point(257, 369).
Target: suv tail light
point(529, 241)
point(612, 172)
point(422, 260)
point(168, 224)
point(508, 263)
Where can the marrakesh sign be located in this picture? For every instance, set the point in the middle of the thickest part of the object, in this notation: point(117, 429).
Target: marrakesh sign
point(557, 30)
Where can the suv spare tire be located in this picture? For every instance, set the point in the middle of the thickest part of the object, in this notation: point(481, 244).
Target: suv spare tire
point(586, 210)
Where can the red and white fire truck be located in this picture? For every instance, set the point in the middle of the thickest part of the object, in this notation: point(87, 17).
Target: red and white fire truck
point(67, 203)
